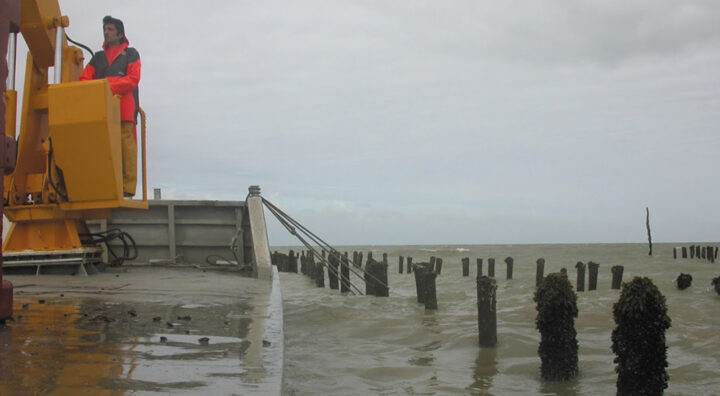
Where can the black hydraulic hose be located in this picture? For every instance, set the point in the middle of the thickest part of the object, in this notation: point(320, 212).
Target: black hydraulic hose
point(129, 247)
point(50, 172)
point(81, 45)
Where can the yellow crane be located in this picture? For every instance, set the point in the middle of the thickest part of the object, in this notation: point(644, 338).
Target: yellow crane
point(69, 167)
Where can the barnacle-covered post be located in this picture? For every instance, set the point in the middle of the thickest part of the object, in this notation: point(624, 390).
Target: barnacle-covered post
point(438, 266)
point(557, 310)
point(478, 264)
point(409, 265)
point(683, 281)
point(487, 313)
point(400, 264)
point(716, 284)
point(639, 339)
point(491, 267)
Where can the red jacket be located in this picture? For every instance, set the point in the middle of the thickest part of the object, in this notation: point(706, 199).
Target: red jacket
point(120, 65)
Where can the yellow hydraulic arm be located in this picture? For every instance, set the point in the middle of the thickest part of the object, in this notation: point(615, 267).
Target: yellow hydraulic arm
point(69, 165)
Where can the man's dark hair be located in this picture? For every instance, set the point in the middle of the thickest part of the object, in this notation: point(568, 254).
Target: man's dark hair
point(119, 26)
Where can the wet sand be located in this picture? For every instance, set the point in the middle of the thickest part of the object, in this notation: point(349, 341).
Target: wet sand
point(142, 331)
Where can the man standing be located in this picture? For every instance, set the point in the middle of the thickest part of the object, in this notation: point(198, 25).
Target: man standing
point(120, 65)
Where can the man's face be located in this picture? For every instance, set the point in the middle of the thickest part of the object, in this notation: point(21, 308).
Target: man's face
point(111, 34)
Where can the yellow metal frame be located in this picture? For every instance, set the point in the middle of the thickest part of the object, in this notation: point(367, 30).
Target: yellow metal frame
point(69, 162)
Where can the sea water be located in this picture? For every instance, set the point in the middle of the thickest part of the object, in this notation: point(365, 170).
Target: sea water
point(358, 345)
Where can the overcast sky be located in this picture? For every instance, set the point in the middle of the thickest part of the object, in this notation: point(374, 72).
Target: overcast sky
point(416, 122)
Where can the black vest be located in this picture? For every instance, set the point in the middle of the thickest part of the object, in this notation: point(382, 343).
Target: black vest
point(117, 69)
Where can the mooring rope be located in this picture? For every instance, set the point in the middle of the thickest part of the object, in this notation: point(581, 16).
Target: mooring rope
point(319, 241)
point(322, 259)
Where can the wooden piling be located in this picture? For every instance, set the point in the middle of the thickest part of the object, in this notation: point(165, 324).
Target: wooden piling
point(509, 261)
point(356, 263)
point(491, 267)
point(465, 266)
point(400, 264)
point(479, 265)
point(487, 312)
point(345, 274)
point(429, 290)
point(333, 270)
point(539, 271)
point(593, 269)
point(383, 287)
point(293, 267)
point(647, 225)
point(378, 281)
point(580, 266)
point(310, 269)
point(409, 265)
point(420, 269)
point(675, 253)
point(438, 265)
point(432, 263)
point(617, 273)
point(359, 260)
point(319, 273)
point(684, 252)
point(291, 253)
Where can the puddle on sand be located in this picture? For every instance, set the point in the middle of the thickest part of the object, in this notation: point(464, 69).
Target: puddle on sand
point(87, 346)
